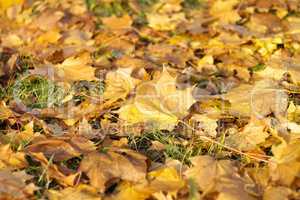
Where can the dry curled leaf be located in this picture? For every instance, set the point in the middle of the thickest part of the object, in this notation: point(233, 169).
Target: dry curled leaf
point(218, 176)
point(60, 149)
point(52, 171)
point(113, 164)
point(82, 191)
point(14, 187)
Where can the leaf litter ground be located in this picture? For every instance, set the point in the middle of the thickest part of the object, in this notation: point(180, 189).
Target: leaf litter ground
point(150, 99)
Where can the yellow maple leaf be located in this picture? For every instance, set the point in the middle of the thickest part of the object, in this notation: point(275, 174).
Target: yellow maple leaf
point(5, 112)
point(166, 179)
point(75, 69)
point(11, 159)
point(161, 181)
point(158, 101)
point(259, 100)
point(253, 134)
point(119, 83)
point(224, 11)
point(127, 190)
point(164, 22)
point(4, 4)
point(49, 37)
point(286, 166)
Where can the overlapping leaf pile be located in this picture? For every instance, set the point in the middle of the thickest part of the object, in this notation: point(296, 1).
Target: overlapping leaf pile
point(150, 99)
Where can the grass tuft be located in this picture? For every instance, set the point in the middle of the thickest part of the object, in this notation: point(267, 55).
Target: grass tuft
point(174, 146)
point(37, 92)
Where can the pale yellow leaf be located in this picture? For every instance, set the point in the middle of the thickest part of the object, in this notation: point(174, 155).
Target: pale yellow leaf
point(75, 69)
point(158, 102)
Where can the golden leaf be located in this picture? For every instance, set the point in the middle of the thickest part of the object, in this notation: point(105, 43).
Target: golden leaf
point(10, 159)
point(287, 165)
point(5, 112)
point(49, 37)
point(75, 69)
point(259, 100)
point(224, 11)
point(165, 22)
point(4, 4)
point(167, 180)
point(114, 22)
point(253, 133)
point(119, 83)
point(158, 101)
point(82, 191)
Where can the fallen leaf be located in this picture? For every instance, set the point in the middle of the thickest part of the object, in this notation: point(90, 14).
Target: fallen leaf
point(52, 171)
point(60, 149)
point(10, 159)
point(116, 23)
point(158, 101)
point(253, 134)
point(257, 100)
point(218, 176)
point(115, 163)
point(75, 69)
point(205, 123)
point(277, 193)
point(13, 41)
point(83, 192)
point(286, 165)
point(5, 112)
point(127, 190)
point(49, 37)
point(119, 84)
point(165, 22)
point(13, 187)
point(166, 180)
point(4, 4)
point(225, 11)
point(24, 136)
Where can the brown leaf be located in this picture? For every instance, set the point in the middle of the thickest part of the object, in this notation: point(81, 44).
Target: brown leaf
point(13, 187)
point(82, 192)
point(218, 176)
point(52, 171)
point(60, 149)
point(115, 163)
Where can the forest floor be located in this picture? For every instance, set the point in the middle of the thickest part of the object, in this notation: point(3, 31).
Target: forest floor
point(150, 99)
